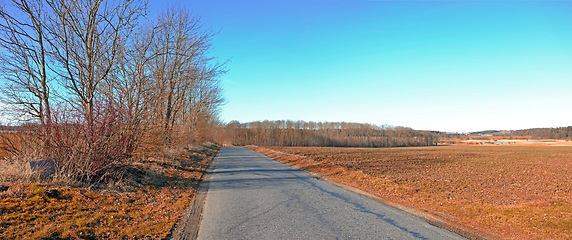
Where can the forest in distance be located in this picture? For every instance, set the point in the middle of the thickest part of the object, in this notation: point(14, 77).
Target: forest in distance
point(289, 133)
point(326, 134)
point(536, 133)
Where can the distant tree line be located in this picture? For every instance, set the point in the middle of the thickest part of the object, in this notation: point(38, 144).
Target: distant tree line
point(545, 133)
point(325, 134)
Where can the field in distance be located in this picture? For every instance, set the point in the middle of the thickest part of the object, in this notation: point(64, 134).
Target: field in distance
point(506, 140)
point(510, 191)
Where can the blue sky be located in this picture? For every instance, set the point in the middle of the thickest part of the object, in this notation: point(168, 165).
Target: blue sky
point(428, 65)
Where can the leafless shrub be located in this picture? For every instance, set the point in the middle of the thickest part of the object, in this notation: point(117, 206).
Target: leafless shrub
point(90, 152)
point(124, 84)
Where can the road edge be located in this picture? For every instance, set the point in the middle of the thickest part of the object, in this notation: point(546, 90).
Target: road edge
point(190, 223)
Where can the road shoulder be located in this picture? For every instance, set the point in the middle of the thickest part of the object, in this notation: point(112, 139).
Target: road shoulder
point(188, 227)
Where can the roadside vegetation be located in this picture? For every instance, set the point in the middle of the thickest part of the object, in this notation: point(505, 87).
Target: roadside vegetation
point(123, 105)
point(94, 83)
point(152, 195)
point(509, 192)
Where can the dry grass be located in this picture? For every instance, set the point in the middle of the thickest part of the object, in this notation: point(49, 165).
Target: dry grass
point(14, 160)
point(17, 170)
point(146, 204)
point(9, 142)
point(514, 192)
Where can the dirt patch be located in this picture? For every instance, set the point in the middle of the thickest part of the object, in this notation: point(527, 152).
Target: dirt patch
point(515, 192)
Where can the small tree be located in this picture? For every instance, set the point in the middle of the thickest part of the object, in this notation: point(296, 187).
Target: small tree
point(24, 64)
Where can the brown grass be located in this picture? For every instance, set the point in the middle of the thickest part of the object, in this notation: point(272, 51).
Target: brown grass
point(9, 142)
point(14, 160)
point(146, 204)
point(513, 192)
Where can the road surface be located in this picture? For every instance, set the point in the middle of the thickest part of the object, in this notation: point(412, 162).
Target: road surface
point(251, 196)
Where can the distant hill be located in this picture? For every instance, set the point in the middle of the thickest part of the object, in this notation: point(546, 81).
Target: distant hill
point(545, 133)
point(549, 133)
point(492, 133)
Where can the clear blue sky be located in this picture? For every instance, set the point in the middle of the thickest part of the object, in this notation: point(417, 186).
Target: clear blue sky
point(428, 65)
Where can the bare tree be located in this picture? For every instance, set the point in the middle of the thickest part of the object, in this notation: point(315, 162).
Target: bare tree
point(130, 84)
point(88, 39)
point(183, 76)
point(204, 99)
point(24, 64)
point(117, 76)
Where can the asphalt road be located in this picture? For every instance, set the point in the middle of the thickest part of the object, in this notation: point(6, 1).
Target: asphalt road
point(251, 196)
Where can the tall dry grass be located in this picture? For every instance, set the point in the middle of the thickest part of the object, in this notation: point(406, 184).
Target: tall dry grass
point(17, 153)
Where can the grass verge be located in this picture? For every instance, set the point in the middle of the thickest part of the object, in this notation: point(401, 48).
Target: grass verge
point(148, 201)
